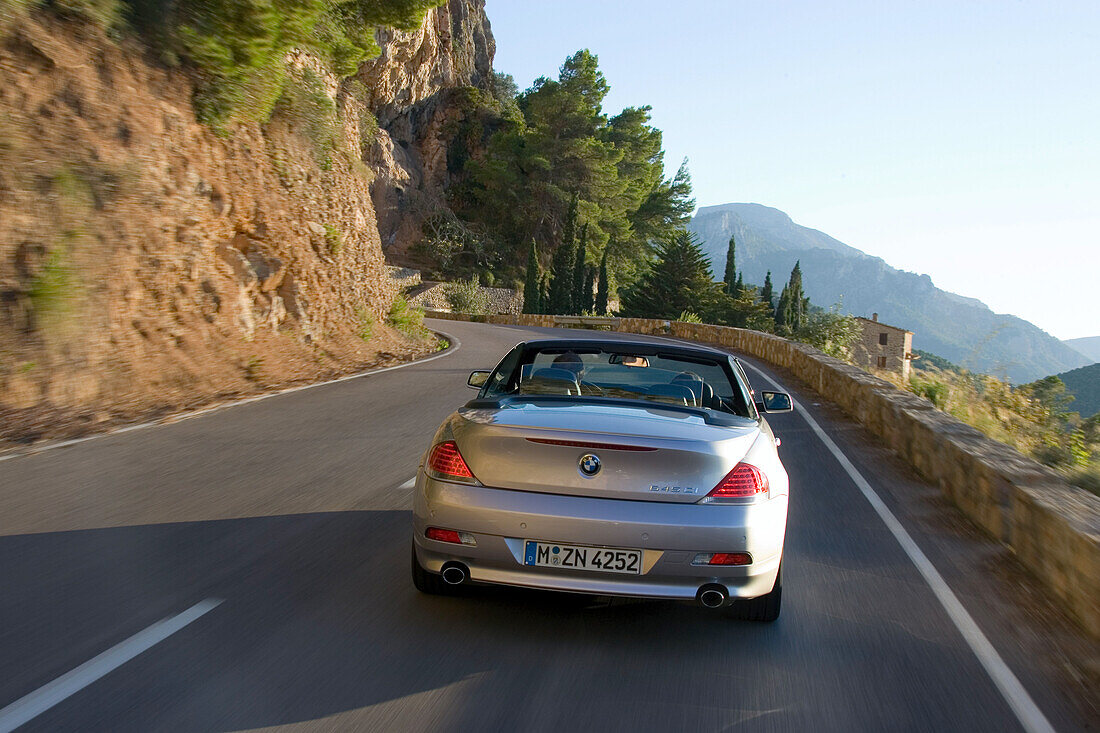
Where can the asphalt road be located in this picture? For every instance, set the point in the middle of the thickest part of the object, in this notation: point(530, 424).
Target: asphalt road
point(290, 516)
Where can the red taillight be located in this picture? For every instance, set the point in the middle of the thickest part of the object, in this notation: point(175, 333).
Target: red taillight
point(443, 535)
point(722, 558)
point(730, 558)
point(450, 535)
point(445, 461)
point(743, 482)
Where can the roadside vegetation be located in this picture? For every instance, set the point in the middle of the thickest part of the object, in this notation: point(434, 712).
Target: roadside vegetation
point(238, 52)
point(1037, 418)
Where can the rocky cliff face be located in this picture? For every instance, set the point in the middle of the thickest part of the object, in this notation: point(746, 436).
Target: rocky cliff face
point(416, 87)
point(148, 263)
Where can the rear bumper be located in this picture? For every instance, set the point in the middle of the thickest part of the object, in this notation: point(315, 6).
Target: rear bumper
point(670, 534)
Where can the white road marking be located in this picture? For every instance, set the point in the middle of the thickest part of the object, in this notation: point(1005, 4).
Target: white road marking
point(1027, 712)
point(408, 484)
point(455, 345)
point(68, 684)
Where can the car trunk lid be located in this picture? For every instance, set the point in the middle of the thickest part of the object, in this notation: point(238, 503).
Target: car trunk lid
point(640, 453)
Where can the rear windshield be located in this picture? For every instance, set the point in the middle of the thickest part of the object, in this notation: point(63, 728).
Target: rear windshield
point(665, 378)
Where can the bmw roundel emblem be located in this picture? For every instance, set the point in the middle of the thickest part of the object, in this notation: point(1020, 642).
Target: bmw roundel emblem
point(590, 464)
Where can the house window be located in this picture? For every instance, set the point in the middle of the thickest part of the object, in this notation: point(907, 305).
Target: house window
point(882, 361)
point(882, 339)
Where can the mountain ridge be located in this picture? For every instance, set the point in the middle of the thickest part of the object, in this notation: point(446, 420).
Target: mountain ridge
point(1088, 345)
point(959, 328)
point(1084, 384)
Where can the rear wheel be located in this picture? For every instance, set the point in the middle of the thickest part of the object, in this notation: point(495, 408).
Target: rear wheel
point(426, 582)
point(765, 608)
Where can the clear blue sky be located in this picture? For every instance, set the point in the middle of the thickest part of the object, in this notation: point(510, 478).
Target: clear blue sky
point(959, 139)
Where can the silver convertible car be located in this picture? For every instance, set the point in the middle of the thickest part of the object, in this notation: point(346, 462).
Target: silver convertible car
point(611, 468)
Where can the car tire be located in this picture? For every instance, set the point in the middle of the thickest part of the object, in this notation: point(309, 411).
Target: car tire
point(765, 608)
point(426, 582)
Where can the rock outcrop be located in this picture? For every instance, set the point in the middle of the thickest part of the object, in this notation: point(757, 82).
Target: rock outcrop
point(150, 263)
point(417, 89)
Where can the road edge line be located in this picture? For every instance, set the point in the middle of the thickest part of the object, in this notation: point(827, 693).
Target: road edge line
point(1012, 690)
point(190, 415)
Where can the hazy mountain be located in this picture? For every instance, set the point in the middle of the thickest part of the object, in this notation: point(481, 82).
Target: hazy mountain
point(1089, 346)
point(963, 330)
point(1084, 385)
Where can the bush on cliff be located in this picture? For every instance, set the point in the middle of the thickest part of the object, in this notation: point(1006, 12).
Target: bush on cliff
point(237, 49)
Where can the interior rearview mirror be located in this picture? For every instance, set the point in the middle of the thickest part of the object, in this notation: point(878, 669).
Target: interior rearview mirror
point(629, 361)
point(478, 379)
point(775, 402)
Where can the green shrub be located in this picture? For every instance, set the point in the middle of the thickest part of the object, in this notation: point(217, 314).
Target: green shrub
point(934, 392)
point(252, 368)
point(237, 49)
point(406, 318)
point(365, 329)
point(334, 240)
point(52, 291)
point(832, 331)
point(466, 296)
point(305, 104)
point(368, 123)
point(689, 317)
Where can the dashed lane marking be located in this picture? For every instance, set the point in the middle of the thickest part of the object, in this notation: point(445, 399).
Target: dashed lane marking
point(68, 684)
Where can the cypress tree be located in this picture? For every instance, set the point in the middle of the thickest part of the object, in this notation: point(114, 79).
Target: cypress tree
point(531, 282)
point(580, 298)
point(740, 286)
point(783, 311)
point(561, 282)
point(730, 278)
point(798, 299)
point(766, 294)
point(601, 285)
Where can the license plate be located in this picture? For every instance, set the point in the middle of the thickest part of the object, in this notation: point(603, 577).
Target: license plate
point(574, 557)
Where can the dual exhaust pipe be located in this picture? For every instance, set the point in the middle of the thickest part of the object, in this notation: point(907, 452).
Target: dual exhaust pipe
point(455, 573)
point(712, 595)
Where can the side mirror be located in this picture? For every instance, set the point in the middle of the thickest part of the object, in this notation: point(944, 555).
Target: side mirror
point(478, 379)
point(774, 402)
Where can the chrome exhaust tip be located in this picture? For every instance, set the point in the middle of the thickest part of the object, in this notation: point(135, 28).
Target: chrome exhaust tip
point(712, 596)
point(455, 573)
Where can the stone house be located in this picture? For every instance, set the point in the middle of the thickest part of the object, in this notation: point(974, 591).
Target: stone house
point(884, 347)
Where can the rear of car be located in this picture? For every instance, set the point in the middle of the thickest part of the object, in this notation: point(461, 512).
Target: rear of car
point(607, 468)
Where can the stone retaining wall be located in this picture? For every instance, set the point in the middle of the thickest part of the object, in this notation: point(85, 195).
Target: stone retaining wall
point(1052, 528)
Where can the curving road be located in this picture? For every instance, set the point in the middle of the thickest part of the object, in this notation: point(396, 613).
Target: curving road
point(249, 568)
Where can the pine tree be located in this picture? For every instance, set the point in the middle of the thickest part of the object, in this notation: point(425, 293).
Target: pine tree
point(766, 294)
point(601, 285)
point(561, 283)
point(679, 280)
point(580, 298)
point(730, 279)
point(531, 282)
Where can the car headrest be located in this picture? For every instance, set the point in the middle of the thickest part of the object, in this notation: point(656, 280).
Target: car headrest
point(703, 392)
point(674, 394)
point(549, 380)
